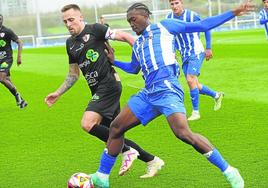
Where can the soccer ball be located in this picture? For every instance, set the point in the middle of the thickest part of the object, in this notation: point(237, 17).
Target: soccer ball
point(80, 180)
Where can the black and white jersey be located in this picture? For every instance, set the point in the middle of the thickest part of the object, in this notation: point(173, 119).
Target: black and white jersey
point(6, 36)
point(87, 50)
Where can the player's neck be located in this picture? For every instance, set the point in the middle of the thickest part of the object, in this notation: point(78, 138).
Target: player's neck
point(179, 13)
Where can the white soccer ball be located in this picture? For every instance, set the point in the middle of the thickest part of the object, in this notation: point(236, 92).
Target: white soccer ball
point(80, 180)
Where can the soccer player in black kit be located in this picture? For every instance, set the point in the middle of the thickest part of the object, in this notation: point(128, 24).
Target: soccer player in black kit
point(86, 51)
point(6, 60)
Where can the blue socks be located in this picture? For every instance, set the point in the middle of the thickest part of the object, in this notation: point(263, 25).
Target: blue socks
point(207, 91)
point(106, 163)
point(216, 159)
point(194, 93)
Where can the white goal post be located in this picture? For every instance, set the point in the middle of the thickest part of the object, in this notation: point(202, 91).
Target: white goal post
point(28, 40)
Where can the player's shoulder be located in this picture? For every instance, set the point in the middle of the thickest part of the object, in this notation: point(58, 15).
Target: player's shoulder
point(189, 11)
point(96, 26)
point(169, 15)
point(263, 11)
point(6, 29)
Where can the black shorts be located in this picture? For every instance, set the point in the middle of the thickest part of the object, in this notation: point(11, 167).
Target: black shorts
point(5, 66)
point(106, 101)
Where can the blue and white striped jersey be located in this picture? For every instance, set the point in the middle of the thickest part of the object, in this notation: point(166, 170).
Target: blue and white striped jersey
point(189, 43)
point(154, 50)
point(264, 20)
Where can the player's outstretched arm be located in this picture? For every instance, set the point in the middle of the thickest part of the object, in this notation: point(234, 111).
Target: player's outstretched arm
point(70, 80)
point(263, 21)
point(133, 67)
point(176, 27)
point(124, 37)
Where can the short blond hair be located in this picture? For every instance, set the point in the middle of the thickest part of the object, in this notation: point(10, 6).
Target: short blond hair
point(70, 6)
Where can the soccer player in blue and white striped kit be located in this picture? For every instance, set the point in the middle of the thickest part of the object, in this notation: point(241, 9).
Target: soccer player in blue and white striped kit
point(264, 16)
point(154, 54)
point(192, 54)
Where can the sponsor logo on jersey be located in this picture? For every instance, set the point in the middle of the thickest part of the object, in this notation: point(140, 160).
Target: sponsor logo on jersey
point(2, 43)
point(92, 55)
point(4, 65)
point(2, 35)
point(150, 33)
point(84, 64)
point(86, 37)
point(92, 78)
point(3, 54)
point(95, 97)
point(80, 48)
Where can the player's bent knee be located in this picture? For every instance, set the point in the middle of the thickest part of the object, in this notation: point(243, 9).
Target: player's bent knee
point(116, 131)
point(86, 126)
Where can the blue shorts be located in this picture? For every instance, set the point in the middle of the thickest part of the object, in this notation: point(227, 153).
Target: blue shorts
point(193, 64)
point(164, 97)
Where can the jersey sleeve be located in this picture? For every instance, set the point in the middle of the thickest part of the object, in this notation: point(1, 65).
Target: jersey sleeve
point(197, 18)
point(100, 30)
point(262, 17)
point(12, 35)
point(132, 67)
point(104, 32)
point(71, 59)
point(176, 26)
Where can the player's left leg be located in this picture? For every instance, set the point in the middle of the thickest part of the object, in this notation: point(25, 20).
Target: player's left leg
point(180, 128)
point(217, 96)
point(123, 122)
point(6, 81)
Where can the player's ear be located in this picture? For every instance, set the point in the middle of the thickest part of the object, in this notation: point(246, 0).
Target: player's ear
point(81, 18)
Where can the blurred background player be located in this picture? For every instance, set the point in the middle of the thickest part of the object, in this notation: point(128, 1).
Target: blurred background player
point(6, 60)
point(102, 21)
point(264, 17)
point(85, 49)
point(153, 53)
point(192, 54)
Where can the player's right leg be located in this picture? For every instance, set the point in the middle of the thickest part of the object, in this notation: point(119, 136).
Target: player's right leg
point(180, 128)
point(191, 69)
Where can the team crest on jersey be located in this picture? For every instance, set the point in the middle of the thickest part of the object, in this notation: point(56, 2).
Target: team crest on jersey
point(150, 33)
point(92, 55)
point(86, 37)
point(2, 35)
point(2, 43)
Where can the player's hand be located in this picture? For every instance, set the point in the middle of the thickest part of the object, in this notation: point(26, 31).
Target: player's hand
point(208, 54)
point(109, 51)
point(244, 8)
point(51, 98)
point(19, 61)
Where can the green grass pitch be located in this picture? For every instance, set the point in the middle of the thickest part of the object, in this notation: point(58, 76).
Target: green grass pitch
point(42, 148)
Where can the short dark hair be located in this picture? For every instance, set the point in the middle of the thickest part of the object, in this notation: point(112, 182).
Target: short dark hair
point(139, 6)
point(70, 6)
